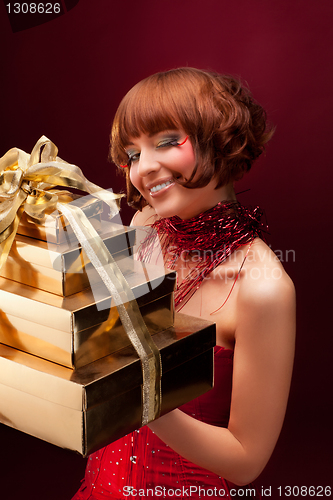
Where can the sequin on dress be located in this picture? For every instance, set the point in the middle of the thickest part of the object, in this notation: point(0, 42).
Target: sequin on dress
point(140, 465)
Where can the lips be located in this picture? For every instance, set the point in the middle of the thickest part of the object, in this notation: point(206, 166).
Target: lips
point(157, 186)
point(160, 186)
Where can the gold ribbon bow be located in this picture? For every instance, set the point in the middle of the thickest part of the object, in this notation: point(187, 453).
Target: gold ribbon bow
point(26, 184)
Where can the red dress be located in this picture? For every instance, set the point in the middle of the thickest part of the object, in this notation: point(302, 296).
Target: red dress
point(140, 465)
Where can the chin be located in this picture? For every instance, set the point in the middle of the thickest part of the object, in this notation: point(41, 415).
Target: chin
point(168, 211)
point(173, 207)
point(165, 214)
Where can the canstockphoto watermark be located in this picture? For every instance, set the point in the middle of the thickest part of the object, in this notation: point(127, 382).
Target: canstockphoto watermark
point(188, 491)
point(263, 255)
point(261, 264)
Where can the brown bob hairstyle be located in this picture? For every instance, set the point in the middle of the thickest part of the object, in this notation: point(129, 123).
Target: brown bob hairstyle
point(226, 126)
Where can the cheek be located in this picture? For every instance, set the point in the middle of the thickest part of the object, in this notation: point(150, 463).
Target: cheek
point(132, 177)
point(188, 159)
point(135, 179)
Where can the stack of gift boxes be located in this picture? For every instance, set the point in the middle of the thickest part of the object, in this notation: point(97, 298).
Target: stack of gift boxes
point(68, 372)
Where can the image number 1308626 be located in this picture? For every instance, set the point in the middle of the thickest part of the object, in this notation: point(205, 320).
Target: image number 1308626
point(26, 15)
point(33, 8)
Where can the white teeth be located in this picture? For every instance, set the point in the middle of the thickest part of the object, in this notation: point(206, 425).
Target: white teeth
point(159, 187)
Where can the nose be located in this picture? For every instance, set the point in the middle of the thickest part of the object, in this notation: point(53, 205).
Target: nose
point(147, 162)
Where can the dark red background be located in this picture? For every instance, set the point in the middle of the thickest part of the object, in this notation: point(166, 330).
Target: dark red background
point(65, 78)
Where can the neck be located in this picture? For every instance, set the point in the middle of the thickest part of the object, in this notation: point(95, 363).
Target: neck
point(224, 193)
point(228, 192)
point(211, 235)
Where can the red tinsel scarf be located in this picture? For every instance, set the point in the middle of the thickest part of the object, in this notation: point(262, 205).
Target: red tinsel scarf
point(211, 237)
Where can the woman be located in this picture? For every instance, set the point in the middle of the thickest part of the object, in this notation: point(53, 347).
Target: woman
point(184, 137)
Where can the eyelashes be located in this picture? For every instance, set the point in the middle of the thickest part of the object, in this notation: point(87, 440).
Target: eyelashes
point(180, 144)
point(170, 142)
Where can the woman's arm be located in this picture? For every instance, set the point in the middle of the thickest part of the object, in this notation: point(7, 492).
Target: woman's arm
point(263, 360)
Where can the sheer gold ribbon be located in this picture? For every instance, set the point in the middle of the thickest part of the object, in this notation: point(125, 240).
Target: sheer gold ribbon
point(127, 307)
point(26, 184)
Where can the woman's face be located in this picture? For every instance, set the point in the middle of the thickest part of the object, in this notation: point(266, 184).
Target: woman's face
point(155, 162)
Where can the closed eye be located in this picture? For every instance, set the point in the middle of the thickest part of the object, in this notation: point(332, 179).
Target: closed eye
point(165, 143)
point(168, 143)
point(171, 142)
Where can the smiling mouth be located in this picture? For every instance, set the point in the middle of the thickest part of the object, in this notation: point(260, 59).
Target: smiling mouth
point(157, 188)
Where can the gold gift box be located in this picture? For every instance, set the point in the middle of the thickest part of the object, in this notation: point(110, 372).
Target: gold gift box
point(85, 326)
point(63, 268)
point(85, 409)
point(55, 227)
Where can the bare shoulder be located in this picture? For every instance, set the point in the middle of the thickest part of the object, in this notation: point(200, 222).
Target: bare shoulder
point(265, 279)
point(146, 217)
point(266, 310)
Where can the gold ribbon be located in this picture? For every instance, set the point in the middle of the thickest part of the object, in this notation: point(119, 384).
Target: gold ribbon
point(26, 185)
point(127, 307)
